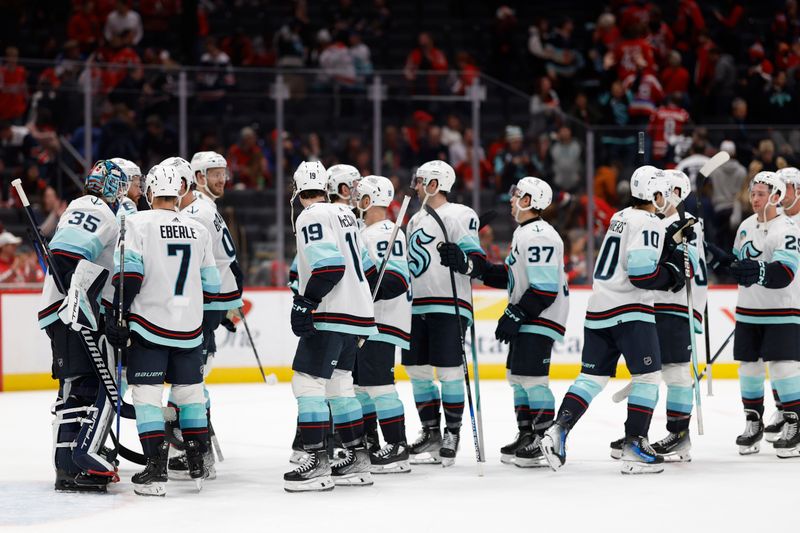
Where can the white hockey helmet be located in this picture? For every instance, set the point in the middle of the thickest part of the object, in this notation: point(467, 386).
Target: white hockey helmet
point(646, 181)
point(773, 181)
point(310, 176)
point(182, 168)
point(131, 170)
point(342, 175)
point(539, 190)
point(439, 171)
point(679, 180)
point(378, 189)
point(164, 181)
point(791, 178)
point(202, 161)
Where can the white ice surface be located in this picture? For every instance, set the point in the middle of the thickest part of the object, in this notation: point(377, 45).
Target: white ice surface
point(718, 490)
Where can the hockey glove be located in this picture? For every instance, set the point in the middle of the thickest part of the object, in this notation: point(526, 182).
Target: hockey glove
point(453, 257)
point(675, 271)
point(228, 324)
point(509, 324)
point(117, 335)
point(747, 272)
point(302, 319)
point(718, 259)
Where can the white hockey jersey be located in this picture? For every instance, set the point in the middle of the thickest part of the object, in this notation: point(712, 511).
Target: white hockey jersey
point(631, 249)
point(392, 317)
point(328, 240)
point(433, 292)
point(172, 255)
point(87, 230)
point(204, 211)
point(674, 303)
point(127, 208)
point(536, 261)
point(776, 240)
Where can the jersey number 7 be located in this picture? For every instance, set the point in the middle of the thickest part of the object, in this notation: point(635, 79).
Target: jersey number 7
point(186, 254)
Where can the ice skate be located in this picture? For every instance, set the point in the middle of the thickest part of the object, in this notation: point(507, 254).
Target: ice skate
point(314, 475)
point(507, 453)
point(553, 446)
point(153, 479)
point(638, 457)
point(66, 482)
point(195, 463)
point(530, 456)
point(371, 439)
point(299, 455)
point(425, 450)
point(353, 469)
point(750, 441)
point(675, 447)
point(788, 446)
point(391, 459)
point(772, 431)
point(616, 448)
point(449, 448)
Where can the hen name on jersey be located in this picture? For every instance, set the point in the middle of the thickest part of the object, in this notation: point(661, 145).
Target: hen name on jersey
point(347, 220)
point(177, 232)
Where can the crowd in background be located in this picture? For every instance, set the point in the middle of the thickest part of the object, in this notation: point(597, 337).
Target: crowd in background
point(698, 77)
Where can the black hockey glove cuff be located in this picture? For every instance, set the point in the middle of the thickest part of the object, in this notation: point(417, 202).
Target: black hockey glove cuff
point(302, 318)
point(509, 324)
point(495, 276)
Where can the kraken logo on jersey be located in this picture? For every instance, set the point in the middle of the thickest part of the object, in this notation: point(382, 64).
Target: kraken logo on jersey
point(749, 251)
point(419, 259)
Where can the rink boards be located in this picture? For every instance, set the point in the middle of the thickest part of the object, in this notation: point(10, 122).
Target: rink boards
point(25, 350)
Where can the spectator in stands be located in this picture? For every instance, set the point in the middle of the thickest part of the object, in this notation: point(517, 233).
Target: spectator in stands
point(54, 206)
point(493, 253)
point(8, 258)
point(125, 23)
point(726, 183)
point(575, 262)
point(83, 26)
point(688, 25)
point(215, 79)
point(780, 104)
point(541, 160)
point(503, 58)
point(362, 57)
point(660, 35)
point(605, 37)
point(426, 57)
point(451, 135)
point(513, 162)
point(633, 53)
point(18, 150)
point(545, 108)
point(646, 92)
point(538, 55)
point(728, 30)
point(720, 91)
point(13, 87)
point(247, 162)
point(468, 73)
point(431, 147)
point(393, 150)
point(458, 150)
point(566, 154)
point(159, 142)
point(765, 159)
point(585, 112)
point(336, 62)
point(617, 145)
point(565, 60)
point(464, 171)
point(674, 77)
point(668, 120)
point(119, 138)
point(415, 134)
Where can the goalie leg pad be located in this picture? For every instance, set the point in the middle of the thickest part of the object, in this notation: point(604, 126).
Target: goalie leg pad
point(95, 427)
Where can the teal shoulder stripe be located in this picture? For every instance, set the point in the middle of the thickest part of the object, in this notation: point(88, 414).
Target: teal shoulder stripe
point(77, 241)
point(323, 254)
point(209, 276)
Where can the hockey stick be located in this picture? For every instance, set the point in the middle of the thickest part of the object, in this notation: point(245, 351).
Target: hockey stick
point(385, 261)
point(476, 377)
point(719, 159)
point(478, 454)
point(120, 309)
point(717, 354)
point(687, 271)
point(253, 345)
point(99, 363)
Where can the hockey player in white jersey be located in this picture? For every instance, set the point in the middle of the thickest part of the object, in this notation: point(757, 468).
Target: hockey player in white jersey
point(673, 332)
point(202, 209)
point(536, 316)
point(636, 258)
point(767, 258)
point(87, 231)
point(210, 175)
point(169, 272)
point(435, 337)
point(790, 206)
point(332, 309)
point(129, 204)
point(341, 190)
point(374, 371)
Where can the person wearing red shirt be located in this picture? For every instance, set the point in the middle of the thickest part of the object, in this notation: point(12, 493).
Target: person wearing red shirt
point(426, 57)
point(84, 26)
point(13, 87)
point(247, 162)
point(688, 24)
point(8, 258)
point(674, 77)
point(464, 171)
point(668, 120)
point(632, 54)
point(647, 94)
point(660, 36)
